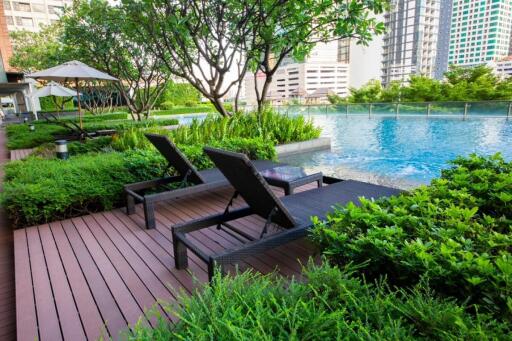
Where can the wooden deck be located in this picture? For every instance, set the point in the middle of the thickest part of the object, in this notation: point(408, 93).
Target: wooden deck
point(19, 154)
point(92, 276)
point(7, 295)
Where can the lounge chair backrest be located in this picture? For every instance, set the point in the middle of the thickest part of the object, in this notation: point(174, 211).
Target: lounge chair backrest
point(175, 157)
point(248, 182)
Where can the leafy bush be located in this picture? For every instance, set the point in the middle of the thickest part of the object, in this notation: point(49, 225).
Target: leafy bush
point(269, 126)
point(455, 234)
point(149, 163)
point(330, 304)
point(95, 145)
point(179, 94)
point(38, 190)
point(179, 110)
point(19, 135)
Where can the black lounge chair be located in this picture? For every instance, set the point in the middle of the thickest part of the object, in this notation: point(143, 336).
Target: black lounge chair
point(186, 174)
point(292, 212)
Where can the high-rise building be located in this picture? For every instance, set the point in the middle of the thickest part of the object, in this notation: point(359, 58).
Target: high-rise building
point(480, 31)
point(443, 39)
point(324, 71)
point(5, 46)
point(410, 42)
point(31, 14)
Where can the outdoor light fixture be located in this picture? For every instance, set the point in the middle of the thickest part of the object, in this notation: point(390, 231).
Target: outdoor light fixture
point(32, 127)
point(25, 120)
point(61, 149)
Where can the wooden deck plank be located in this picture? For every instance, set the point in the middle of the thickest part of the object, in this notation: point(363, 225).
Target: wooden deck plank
point(26, 316)
point(89, 313)
point(47, 317)
point(121, 293)
point(153, 275)
point(69, 319)
point(112, 268)
point(112, 316)
point(160, 245)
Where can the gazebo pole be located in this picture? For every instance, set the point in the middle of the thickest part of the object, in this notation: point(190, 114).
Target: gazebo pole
point(79, 106)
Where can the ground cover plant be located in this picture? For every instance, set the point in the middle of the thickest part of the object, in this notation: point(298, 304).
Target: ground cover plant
point(328, 304)
point(455, 235)
point(179, 110)
point(19, 135)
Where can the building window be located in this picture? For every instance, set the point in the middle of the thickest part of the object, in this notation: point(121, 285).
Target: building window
point(7, 5)
point(9, 20)
point(38, 8)
point(27, 22)
point(21, 6)
point(55, 9)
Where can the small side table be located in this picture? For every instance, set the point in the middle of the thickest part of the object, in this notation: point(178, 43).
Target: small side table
point(290, 177)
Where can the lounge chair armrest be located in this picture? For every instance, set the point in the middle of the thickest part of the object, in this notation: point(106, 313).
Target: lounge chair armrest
point(212, 220)
point(260, 245)
point(331, 180)
point(181, 192)
point(152, 183)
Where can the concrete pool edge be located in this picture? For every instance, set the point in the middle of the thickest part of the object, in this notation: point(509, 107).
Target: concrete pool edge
point(321, 143)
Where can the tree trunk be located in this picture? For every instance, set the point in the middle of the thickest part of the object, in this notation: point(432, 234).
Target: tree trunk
point(237, 96)
point(263, 95)
point(217, 103)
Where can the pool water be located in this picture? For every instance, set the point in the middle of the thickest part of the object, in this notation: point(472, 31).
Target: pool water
point(404, 152)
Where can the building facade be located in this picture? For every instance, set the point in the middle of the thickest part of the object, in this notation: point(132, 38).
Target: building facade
point(30, 15)
point(410, 42)
point(324, 71)
point(5, 45)
point(480, 31)
point(443, 39)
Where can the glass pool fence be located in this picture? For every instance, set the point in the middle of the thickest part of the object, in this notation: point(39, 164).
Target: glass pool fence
point(456, 109)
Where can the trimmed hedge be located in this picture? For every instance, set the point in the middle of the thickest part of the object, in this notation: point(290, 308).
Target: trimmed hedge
point(41, 190)
point(19, 135)
point(178, 110)
point(329, 304)
point(455, 235)
point(38, 190)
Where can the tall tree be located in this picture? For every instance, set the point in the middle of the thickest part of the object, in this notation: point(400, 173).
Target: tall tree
point(201, 41)
point(292, 28)
point(101, 35)
point(34, 51)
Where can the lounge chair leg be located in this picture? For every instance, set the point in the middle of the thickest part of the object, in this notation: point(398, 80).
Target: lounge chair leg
point(320, 182)
point(149, 214)
point(180, 253)
point(130, 204)
point(288, 190)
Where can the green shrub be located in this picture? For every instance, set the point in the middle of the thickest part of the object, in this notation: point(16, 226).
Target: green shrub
point(269, 126)
point(38, 190)
point(179, 110)
point(19, 135)
point(179, 94)
point(329, 304)
point(137, 157)
point(455, 234)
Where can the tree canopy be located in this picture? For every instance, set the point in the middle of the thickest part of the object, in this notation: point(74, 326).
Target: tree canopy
point(477, 83)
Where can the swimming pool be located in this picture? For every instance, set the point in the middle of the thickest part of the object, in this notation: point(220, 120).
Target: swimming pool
point(404, 152)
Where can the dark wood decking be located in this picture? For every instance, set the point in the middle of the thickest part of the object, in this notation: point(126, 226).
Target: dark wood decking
point(7, 296)
point(91, 276)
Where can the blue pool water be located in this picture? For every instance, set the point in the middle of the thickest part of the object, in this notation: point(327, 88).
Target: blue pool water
point(404, 152)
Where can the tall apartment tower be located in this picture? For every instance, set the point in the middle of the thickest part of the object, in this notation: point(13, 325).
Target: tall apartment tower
point(443, 39)
point(480, 31)
point(410, 43)
point(31, 14)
